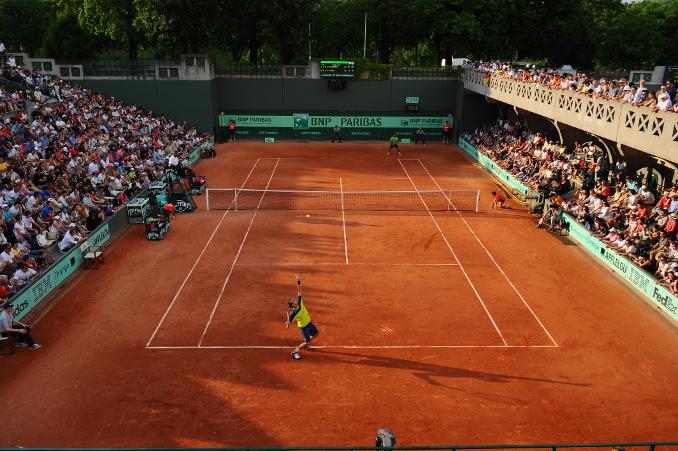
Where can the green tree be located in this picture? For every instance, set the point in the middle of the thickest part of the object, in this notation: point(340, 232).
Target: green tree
point(111, 18)
point(635, 37)
point(176, 26)
point(24, 23)
point(65, 38)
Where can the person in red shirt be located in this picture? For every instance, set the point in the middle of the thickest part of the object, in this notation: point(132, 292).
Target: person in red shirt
point(231, 130)
point(446, 132)
point(499, 201)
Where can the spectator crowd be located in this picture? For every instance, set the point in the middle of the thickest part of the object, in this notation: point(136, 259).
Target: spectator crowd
point(633, 219)
point(69, 158)
point(664, 99)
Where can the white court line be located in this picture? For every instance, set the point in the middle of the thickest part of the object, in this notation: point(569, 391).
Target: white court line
point(197, 260)
point(359, 347)
point(343, 264)
point(343, 217)
point(468, 279)
point(492, 258)
point(228, 277)
point(321, 158)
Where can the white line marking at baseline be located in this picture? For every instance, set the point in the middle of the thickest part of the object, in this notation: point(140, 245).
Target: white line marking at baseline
point(360, 347)
point(321, 158)
point(195, 264)
point(468, 279)
point(342, 264)
point(228, 277)
point(343, 217)
point(492, 258)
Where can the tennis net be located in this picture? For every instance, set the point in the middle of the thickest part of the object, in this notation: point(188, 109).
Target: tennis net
point(254, 199)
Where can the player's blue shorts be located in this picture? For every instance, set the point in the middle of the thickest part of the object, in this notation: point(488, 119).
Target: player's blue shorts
point(309, 331)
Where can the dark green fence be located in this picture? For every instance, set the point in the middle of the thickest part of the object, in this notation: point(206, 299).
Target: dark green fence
point(248, 71)
point(417, 72)
point(143, 68)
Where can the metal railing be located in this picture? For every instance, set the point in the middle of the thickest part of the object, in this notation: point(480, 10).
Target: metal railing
point(438, 72)
point(143, 68)
point(248, 71)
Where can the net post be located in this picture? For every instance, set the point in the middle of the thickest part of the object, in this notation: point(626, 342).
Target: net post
point(207, 199)
point(341, 190)
point(477, 200)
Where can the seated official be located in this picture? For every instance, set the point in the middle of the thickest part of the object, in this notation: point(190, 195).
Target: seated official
point(70, 239)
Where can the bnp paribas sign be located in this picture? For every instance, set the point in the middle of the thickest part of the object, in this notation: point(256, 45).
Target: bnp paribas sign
point(306, 121)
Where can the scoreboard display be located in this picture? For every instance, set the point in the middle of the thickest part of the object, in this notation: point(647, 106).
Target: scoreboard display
point(337, 69)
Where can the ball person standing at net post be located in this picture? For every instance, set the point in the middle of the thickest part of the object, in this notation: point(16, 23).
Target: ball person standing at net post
point(299, 314)
point(336, 133)
point(420, 135)
point(231, 130)
point(446, 132)
point(394, 145)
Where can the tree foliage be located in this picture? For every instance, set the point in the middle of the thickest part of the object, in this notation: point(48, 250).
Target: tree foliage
point(584, 33)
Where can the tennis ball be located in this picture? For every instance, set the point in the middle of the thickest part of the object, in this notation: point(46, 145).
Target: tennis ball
point(308, 216)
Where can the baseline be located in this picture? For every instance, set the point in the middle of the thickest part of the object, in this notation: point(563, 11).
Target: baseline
point(235, 347)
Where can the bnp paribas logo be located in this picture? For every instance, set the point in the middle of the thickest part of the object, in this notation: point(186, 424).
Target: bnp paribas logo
point(300, 121)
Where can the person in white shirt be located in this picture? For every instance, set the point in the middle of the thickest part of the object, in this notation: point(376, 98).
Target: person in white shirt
point(6, 255)
point(646, 196)
point(70, 239)
point(43, 239)
point(173, 160)
point(23, 275)
point(664, 103)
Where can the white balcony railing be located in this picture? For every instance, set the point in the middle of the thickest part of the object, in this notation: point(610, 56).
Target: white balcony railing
point(633, 126)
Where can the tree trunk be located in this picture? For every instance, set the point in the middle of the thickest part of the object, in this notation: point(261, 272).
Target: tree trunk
point(254, 51)
point(384, 51)
point(448, 55)
point(132, 48)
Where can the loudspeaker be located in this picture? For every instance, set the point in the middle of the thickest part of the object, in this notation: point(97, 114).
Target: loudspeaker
point(385, 438)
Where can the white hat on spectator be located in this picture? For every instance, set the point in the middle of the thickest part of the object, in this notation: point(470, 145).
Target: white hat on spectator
point(71, 225)
point(612, 229)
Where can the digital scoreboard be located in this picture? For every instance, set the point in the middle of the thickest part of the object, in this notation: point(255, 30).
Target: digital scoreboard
point(337, 69)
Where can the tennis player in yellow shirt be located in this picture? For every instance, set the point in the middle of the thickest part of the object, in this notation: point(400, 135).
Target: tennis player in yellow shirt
point(299, 314)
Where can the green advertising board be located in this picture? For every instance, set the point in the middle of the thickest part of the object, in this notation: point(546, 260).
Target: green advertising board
point(319, 126)
point(638, 278)
point(56, 274)
point(503, 175)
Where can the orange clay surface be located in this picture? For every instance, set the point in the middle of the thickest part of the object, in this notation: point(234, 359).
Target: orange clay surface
point(448, 328)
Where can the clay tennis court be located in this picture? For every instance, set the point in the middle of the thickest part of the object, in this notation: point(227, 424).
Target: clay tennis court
point(449, 327)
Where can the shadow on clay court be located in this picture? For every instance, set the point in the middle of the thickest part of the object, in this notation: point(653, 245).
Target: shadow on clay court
point(429, 372)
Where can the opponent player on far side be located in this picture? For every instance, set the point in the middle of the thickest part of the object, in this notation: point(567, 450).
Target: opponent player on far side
point(299, 314)
point(394, 145)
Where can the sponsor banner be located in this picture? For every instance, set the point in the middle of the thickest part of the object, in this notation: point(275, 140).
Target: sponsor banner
point(506, 177)
point(306, 121)
point(29, 298)
point(641, 280)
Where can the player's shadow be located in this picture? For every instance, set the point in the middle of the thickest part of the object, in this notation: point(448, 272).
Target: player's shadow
point(430, 372)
